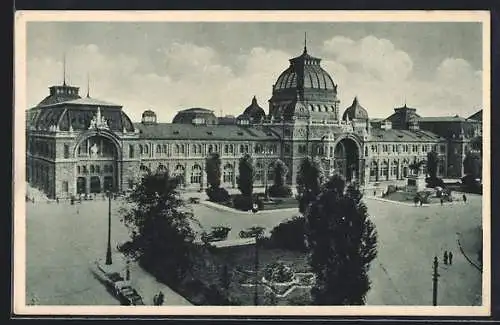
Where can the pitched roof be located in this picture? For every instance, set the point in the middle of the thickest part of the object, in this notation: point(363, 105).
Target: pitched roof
point(478, 116)
point(177, 131)
point(455, 118)
point(90, 101)
point(393, 135)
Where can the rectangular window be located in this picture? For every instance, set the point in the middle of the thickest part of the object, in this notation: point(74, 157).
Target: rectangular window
point(65, 187)
point(66, 151)
point(131, 151)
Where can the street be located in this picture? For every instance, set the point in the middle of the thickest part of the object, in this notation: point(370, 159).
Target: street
point(63, 239)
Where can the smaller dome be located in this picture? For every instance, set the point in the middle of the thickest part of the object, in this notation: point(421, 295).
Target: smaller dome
point(254, 112)
point(195, 115)
point(355, 111)
point(148, 116)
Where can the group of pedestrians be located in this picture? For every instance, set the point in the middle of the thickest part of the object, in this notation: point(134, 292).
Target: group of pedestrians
point(448, 258)
point(158, 299)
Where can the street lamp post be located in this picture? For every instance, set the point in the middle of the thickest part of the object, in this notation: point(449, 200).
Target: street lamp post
point(435, 276)
point(256, 285)
point(109, 260)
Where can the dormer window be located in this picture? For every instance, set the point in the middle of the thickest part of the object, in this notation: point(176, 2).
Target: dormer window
point(209, 132)
point(176, 132)
point(240, 133)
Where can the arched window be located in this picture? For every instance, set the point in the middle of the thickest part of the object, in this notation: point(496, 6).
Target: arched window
point(164, 149)
point(177, 149)
point(92, 169)
point(141, 150)
point(158, 148)
point(179, 173)
point(210, 148)
point(110, 168)
point(242, 148)
point(78, 170)
point(394, 169)
point(182, 149)
point(231, 148)
point(228, 174)
point(161, 168)
point(226, 149)
point(146, 149)
point(98, 169)
point(199, 148)
point(196, 174)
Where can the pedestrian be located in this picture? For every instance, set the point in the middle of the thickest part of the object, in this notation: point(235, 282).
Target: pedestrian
point(375, 193)
point(155, 300)
point(464, 198)
point(57, 199)
point(445, 257)
point(161, 298)
point(441, 201)
point(421, 202)
point(450, 257)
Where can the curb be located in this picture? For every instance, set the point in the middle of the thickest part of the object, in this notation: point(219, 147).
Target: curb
point(228, 209)
point(480, 269)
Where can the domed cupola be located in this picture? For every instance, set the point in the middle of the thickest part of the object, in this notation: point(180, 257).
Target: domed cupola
point(304, 81)
point(148, 117)
point(254, 112)
point(355, 111)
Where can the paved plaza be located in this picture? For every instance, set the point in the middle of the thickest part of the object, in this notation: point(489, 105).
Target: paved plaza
point(63, 239)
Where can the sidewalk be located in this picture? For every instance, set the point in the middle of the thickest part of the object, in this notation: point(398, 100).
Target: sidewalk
point(147, 286)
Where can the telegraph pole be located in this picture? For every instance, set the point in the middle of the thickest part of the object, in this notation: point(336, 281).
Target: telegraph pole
point(435, 276)
point(109, 261)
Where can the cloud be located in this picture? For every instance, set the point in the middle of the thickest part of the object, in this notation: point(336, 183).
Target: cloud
point(185, 75)
point(381, 75)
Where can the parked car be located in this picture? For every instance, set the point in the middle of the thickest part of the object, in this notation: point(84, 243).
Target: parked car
point(194, 200)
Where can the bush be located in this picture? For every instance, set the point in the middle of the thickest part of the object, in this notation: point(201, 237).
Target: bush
point(218, 194)
point(280, 191)
point(434, 182)
point(290, 234)
point(423, 196)
point(391, 189)
point(243, 202)
point(278, 272)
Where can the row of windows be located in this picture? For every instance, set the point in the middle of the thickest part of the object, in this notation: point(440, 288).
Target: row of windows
point(197, 149)
point(388, 148)
point(94, 169)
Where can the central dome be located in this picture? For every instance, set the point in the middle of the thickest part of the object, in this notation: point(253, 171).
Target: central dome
point(304, 71)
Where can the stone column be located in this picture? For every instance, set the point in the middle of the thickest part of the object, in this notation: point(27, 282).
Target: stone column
point(203, 177)
point(185, 175)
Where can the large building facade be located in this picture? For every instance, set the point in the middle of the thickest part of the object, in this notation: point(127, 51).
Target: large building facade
point(79, 145)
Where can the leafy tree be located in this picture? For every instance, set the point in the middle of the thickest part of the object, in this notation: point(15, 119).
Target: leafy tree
point(213, 170)
point(432, 164)
point(246, 175)
point(343, 243)
point(161, 233)
point(280, 172)
point(472, 165)
point(309, 179)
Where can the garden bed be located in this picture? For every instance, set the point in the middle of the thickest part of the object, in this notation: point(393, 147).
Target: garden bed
point(406, 197)
point(229, 272)
point(271, 204)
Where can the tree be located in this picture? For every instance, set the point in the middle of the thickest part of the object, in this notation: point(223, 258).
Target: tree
point(432, 164)
point(472, 165)
point(280, 171)
point(342, 242)
point(309, 179)
point(279, 188)
point(246, 175)
point(159, 225)
point(213, 170)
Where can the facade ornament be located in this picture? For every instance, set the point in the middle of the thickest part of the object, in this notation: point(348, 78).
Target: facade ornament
point(98, 121)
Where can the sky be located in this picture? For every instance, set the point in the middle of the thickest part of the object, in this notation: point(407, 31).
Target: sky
point(169, 66)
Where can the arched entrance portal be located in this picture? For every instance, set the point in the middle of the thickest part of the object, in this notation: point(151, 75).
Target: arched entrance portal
point(96, 169)
point(346, 159)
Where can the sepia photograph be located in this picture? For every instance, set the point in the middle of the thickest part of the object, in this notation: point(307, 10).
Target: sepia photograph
point(223, 163)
